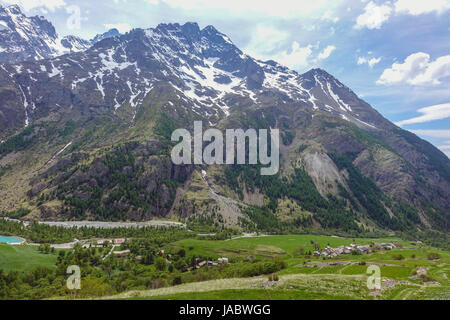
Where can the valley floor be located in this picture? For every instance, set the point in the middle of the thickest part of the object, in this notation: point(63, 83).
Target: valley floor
point(343, 278)
point(412, 271)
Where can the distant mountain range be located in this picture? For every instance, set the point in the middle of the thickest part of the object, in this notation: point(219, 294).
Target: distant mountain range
point(86, 136)
point(25, 38)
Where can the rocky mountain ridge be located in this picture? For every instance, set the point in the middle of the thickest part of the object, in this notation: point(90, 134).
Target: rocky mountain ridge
point(25, 38)
point(98, 124)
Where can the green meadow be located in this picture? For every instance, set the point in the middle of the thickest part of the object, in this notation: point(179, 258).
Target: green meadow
point(309, 278)
point(303, 278)
point(269, 246)
point(24, 258)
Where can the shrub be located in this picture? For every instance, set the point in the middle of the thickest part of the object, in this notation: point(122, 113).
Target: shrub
point(160, 264)
point(251, 270)
point(181, 253)
point(269, 267)
point(281, 264)
point(94, 287)
point(398, 257)
point(434, 256)
point(426, 278)
point(259, 268)
point(177, 281)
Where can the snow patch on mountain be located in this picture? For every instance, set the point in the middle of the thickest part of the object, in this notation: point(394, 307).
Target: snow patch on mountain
point(204, 66)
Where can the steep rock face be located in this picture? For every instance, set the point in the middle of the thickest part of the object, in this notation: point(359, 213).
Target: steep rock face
point(135, 174)
point(140, 86)
point(323, 172)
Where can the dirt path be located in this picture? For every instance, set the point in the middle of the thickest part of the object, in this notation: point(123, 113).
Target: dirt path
point(110, 252)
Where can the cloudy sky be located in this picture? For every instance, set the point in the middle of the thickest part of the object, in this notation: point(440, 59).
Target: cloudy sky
point(394, 54)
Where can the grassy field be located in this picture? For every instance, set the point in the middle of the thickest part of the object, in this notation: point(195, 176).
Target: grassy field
point(269, 246)
point(344, 277)
point(313, 278)
point(24, 258)
point(290, 287)
point(298, 287)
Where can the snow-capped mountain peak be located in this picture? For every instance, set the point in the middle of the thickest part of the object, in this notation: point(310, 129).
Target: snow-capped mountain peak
point(210, 74)
point(109, 34)
point(25, 38)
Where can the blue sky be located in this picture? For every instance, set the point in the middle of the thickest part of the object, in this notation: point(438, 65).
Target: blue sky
point(394, 54)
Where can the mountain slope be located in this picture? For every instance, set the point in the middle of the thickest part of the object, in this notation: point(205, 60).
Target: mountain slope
point(25, 38)
point(86, 136)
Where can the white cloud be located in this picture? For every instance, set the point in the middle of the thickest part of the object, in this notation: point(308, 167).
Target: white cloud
point(280, 8)
point(417, 70)
point(445, 134)
point(326, 52)
point(371, 62)
point(28, 5)
point(298, 56)
point(122, 27)
point(417, 7)
point(440, 134)
point(374, 16)
point(438, 112)
point(328, 16)
point(445, 149)
point(267, 43)
point(264, 40)
point(295, 57)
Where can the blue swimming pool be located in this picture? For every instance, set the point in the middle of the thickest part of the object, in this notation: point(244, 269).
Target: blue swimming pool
point(9, 240)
